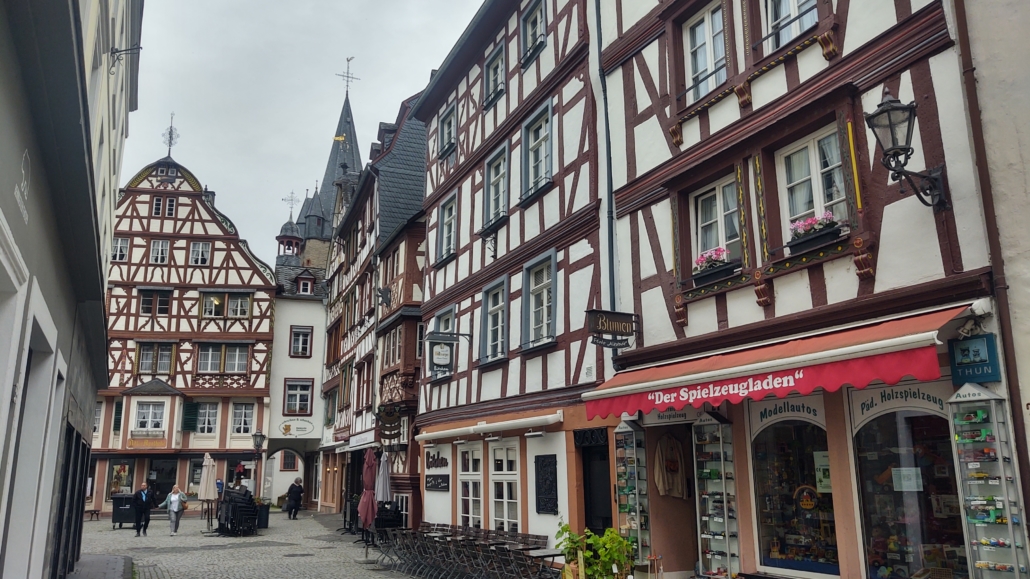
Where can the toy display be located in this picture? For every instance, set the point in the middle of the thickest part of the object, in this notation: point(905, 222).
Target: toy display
point(631, 484)
point(911, 506)
point(794, 508)
point(716, 498)
point(992, 511)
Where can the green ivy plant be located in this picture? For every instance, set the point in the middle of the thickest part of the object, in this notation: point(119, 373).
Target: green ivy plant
point(607, 556)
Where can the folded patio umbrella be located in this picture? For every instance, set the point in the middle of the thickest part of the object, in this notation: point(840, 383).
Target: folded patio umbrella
point(383, 480)
point(367, 507)
point(208, 491)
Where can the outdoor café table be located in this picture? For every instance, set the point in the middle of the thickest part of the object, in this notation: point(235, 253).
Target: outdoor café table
point(544, 553)
point(519, 547)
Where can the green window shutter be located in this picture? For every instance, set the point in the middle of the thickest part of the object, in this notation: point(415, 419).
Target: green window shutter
point(189, 416)
point(117, 416)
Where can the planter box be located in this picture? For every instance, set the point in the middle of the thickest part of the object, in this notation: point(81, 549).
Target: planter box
point(814, 240)
point(714, 274)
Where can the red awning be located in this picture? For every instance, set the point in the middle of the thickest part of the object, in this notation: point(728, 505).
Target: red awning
point(888, 351)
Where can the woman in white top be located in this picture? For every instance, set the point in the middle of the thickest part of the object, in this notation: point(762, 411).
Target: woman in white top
point(175, 502)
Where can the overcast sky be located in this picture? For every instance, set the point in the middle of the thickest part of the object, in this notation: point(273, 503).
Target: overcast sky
point(256, 100)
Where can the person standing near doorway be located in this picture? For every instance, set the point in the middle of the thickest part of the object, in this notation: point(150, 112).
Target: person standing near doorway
point(175, 502)
point(143, 500)
point(293, 495)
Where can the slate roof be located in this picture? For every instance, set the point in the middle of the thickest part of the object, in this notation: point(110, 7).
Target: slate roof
point(289, 229)
point(287, 274)
point(401, 172)
point(154, 387)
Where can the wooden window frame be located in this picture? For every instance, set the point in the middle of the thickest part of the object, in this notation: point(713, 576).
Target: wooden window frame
point(294, 331)
point(155, 305)
point(548, 259)
point(499, 285)
point(713, 188)
point(154, 251)
point(116, 245)
point(490, 97)
point(232, 418)
point(290, 454)
point(442, 256)
point(530, 48)
point(449, 115)
point(205, 257)
point(811, 141)
point(287, 382)
point(200, 424)
point(534, 188)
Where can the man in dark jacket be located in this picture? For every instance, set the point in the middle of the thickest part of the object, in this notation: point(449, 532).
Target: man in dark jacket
point(143, 500)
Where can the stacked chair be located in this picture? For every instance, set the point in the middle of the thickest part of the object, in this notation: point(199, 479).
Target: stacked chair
point(436, 551)
point(237, 513)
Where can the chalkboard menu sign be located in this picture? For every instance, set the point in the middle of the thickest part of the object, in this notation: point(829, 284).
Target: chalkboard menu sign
point(438, 482)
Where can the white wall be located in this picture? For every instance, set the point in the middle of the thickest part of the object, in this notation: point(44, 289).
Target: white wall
point(297, 312)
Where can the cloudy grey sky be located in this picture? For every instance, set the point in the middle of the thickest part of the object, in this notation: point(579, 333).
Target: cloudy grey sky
point(256, 100)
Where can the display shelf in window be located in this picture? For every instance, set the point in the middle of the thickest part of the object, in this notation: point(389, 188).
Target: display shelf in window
point(991, 507)
point(631, 489)
point(718, 532)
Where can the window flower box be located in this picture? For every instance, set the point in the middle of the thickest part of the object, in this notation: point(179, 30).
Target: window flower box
point(715, 273)
point(711, 266)
point(813, 233)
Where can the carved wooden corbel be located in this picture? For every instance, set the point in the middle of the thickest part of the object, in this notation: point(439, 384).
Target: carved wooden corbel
point(763, 289)
point(863, 260)
point(681, 309)
point(676, 134)
point(828, 42)
point(743, 91)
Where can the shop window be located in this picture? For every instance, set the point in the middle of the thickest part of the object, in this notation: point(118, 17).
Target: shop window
point(120, 476)
point(793, 500)
point(910, 502)
point(505, 496)
point(193, 484)
point(469, 480)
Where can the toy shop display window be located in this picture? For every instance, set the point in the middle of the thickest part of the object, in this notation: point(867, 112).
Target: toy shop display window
point(793, 498)
point(911, 507)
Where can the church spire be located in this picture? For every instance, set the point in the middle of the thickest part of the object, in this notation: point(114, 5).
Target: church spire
point(344, 151)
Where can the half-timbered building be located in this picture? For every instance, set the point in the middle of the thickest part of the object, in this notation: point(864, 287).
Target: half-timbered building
point(189, 311)
point(396, 173)
point(512, 214)
point(341, 174)
point(805, 316)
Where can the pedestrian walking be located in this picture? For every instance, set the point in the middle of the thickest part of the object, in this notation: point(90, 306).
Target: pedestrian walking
point(143, 500)
point(175, 502)
point(293, 495)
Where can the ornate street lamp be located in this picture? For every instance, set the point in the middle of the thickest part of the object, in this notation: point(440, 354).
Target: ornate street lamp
point(893, 124)
point(259, 442)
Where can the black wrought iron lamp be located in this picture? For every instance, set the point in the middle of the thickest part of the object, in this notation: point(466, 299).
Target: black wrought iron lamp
point(259, 442)
point(893, 124)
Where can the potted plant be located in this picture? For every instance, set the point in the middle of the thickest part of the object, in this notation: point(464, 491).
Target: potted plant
point(607, 556)
point(808, 234)
point(712, 266)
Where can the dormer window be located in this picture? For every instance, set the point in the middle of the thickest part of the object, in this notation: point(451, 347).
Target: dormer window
point(171, 172)
point(161, 170)
point(305, 286)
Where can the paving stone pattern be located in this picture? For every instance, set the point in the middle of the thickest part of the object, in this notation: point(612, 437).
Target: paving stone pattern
point(102, 567)
point(305, 548)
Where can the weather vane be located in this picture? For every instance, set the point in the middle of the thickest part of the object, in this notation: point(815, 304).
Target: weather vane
point(292, 200)
point(171, 136)
point(347, 76)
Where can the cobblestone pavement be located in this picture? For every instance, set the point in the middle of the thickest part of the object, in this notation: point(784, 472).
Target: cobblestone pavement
point(301, 549)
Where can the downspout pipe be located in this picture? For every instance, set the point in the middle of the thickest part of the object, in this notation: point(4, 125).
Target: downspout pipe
point(610, 190)
point(1001, 294)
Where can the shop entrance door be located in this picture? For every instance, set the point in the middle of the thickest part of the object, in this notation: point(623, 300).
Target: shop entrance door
point(597, 488)
point(161, 476)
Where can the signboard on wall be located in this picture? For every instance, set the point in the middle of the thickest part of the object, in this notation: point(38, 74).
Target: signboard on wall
point(974, 359)
point(807, 408)
point(146, 443)
point(296, 427)
point(438, 482)
point(871, 402)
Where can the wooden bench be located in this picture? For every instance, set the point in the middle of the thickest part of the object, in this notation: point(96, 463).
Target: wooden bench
point(93, 513)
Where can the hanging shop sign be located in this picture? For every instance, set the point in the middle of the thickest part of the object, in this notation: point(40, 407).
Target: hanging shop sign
point(872, 402)
point(441, 358)
point(767, 412)
point(974, 359)
point(620, 326)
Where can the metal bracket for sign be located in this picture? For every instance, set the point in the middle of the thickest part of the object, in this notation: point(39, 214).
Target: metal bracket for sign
point(616, 342)
point(450, 337)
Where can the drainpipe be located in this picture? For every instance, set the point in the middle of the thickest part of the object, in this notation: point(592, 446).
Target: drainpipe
point(610, 191)
point(994, 244)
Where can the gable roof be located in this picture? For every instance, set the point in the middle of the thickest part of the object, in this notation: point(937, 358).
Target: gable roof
point(401, 174)
point(286, 277)
point(154, 387)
